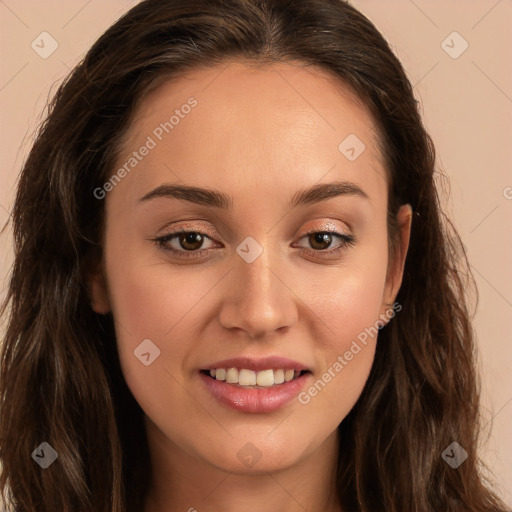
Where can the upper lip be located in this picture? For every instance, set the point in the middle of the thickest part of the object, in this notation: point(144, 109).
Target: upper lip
point(258, 364)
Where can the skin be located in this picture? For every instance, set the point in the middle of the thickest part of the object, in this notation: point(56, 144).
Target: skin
point(258, 135)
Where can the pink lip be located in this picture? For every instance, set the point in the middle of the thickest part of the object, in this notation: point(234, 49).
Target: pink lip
point(256, 365)
point(254, 400)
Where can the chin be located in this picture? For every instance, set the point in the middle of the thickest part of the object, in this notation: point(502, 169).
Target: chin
point(251, 459)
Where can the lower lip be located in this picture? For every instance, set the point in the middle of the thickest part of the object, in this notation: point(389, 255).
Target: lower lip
point(255, 400)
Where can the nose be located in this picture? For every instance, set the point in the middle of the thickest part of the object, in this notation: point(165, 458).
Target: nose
point(258, 301)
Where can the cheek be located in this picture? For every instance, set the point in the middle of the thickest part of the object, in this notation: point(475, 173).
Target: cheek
point(350, 299)
point(149, 302)
point(347, 356)
point(148, 298)
point(348, 310)
point(148, 305)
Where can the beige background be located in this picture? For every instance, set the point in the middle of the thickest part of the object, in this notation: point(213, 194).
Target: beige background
point(467, 105)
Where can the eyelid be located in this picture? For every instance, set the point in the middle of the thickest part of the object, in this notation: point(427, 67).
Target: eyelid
point(332, 229)
point(327, 227)
point(183, 226)
point(328, 224)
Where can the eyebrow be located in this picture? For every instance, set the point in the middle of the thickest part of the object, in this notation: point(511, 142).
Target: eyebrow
point(214, 198)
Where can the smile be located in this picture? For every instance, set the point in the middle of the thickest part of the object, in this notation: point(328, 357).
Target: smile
point(254, 380)
point(268, 396)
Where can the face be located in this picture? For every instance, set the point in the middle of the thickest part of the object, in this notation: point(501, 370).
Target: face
point(264, 273)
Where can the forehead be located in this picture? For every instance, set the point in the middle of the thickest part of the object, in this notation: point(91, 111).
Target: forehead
point(253, 128)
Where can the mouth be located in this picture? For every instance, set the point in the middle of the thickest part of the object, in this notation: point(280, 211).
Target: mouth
point(251, 391)
point(251, 379)
point(255, 385)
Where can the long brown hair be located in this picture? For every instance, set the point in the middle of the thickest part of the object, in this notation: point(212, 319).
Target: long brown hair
point(61, 381)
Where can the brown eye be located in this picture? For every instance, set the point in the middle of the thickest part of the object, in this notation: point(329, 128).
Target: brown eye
point(321, 240)
point(190, 241)
point(321, 243)
point(183, 244)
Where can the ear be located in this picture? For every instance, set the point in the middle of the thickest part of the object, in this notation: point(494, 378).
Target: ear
point(396, 266)
point(97, 288)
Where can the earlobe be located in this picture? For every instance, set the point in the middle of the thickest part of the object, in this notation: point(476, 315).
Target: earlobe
point(396, 267)
point(97, 286)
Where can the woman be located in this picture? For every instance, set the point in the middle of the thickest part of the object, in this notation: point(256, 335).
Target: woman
point(233, 284)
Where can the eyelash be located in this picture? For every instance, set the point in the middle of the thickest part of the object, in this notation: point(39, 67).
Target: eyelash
point(162, 242)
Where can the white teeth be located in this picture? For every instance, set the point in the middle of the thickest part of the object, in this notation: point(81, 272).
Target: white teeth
point(265, 378)
point(247, 378)
point(278, 376)
point(232, 376)
point(250, 378)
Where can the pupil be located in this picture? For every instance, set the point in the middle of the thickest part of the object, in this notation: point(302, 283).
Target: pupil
point(195, 239)
point(322, 238)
